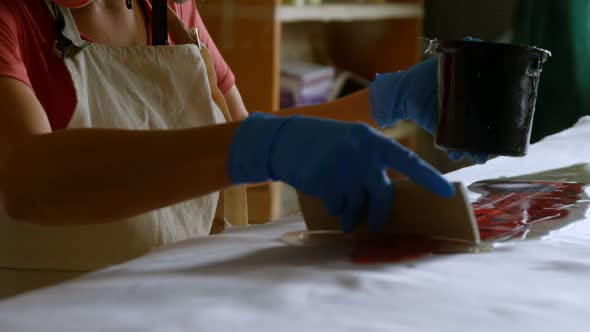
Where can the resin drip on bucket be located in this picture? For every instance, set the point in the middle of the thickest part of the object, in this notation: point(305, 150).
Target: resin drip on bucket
point(487, 94)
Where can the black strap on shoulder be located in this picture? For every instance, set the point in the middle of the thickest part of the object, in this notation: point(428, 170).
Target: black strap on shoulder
point(159, 22)
point(63, 46)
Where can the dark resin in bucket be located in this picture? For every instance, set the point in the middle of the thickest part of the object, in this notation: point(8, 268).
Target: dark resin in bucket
point(487, 95)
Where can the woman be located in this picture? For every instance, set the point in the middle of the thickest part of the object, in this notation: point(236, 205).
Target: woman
point(110, 147)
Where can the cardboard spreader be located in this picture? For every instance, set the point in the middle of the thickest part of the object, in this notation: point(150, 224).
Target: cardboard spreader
point(415, 212)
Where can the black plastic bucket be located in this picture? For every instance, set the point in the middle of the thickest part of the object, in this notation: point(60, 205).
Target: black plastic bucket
point(486, 96)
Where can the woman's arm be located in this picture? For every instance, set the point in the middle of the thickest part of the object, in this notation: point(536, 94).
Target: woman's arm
point(235, 104)
point(99, 175)
point(352, 108)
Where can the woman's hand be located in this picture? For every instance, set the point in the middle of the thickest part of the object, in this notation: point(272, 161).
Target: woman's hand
point(411, 94)
point(343, 164)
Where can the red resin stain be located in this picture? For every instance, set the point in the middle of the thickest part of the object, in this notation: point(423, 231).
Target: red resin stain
point(504, 212)
point(401, 250)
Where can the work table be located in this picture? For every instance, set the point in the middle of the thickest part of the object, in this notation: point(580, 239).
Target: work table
point(248, 280)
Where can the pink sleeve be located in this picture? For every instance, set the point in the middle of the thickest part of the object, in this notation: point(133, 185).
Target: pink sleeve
point(11, 60)
point(225, 77)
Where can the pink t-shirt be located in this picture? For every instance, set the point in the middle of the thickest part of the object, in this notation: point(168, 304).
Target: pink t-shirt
point(27, 34)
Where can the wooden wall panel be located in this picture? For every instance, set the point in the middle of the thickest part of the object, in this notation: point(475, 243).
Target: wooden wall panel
point(248, 37)
point(367, 48)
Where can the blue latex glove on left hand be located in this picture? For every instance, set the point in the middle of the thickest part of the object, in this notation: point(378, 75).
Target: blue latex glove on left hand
point(411, 95)
point(343, 164)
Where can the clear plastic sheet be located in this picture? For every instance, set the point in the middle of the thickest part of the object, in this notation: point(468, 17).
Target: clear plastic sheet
point(508, 209)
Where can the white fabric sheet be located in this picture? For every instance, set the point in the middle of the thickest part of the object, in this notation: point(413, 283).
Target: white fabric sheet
point(246, 280)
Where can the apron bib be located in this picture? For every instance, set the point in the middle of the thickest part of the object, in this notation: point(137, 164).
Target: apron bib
point(163, 87)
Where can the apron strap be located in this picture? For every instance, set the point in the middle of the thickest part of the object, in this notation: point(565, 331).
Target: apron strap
point(68, 42)
point(159, 22)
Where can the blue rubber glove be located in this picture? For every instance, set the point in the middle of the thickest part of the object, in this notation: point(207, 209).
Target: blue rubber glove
point(343, 164)
point(411, 95)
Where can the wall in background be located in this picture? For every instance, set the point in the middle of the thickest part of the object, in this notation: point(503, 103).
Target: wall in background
point(452, 19)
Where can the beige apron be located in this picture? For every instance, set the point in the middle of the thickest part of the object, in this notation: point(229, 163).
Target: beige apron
point(162, 87)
